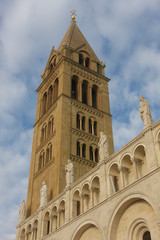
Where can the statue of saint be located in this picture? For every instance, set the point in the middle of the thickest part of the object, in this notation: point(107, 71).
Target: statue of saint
point(22, 211)
point(69, 173)
point(145, 112)
point(103, 146)
point(43, 194)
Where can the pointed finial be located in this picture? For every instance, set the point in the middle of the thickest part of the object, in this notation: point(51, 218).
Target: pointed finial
point(73, 14)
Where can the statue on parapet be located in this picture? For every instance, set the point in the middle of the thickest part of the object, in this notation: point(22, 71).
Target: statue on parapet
point(145, 112)
point(69, 173)
point(22, 211)
point(43, 194)
point(103, 146)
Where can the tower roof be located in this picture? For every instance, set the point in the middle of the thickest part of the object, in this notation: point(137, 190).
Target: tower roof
point(76, 40)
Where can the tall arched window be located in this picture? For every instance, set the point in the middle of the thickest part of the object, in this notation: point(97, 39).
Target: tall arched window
point(46, 224)
point(78, 148)
point(55, 89)
point(47, 155)
point(91, 153)
point(84, 150)
point(50, 125)
point(78, 121)
point(94, 96)
point(83, 123)
point(96, 155)
point(74, 87)
point(87, 62)
point(50, 96)
point(90, 126)
point(80, 59)
point(147, 236)
point(44, 103)
point(95, 128)
point(85, 92)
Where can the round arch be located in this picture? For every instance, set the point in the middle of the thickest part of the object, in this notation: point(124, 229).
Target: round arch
point(123, 206)
point(88, 225)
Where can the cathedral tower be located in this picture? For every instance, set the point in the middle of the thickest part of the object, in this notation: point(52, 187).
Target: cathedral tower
point(72, 109)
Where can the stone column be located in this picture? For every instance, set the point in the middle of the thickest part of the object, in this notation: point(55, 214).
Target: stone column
point(133, 160)
point(121, 170)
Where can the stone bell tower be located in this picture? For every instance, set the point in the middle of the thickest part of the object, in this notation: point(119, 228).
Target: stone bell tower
point(72, 109)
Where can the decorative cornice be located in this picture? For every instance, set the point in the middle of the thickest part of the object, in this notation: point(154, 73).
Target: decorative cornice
point(83, 161)
point(47, 140)
point(87, 136)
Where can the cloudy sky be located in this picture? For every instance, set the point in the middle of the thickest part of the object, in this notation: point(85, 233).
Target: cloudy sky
point(123, 33)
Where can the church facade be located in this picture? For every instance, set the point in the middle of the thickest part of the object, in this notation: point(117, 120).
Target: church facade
point(79, 188)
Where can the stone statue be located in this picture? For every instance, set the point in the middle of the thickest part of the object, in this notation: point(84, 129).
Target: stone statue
point(22, 211)
point(103, 146)
point(43, 194)
point(69, 173)
point(145, 112)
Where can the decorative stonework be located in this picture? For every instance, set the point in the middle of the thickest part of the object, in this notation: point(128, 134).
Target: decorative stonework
point(43, 194)
point(145, 112)
point(69, 173)
point(22, 212)
point(103, 146)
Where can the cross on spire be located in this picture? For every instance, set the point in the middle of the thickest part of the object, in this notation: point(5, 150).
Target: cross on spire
point(73, 14)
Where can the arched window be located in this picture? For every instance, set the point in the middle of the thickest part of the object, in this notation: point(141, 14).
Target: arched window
point(54, 62)
point(50, 125)
point(80, 59)
point(54, 218)
point(41, 160)
point(94, 96)
point(87, 62)
point(47, 155)
point(91, 153)
point(46, 226)
point(50, 96)
point(78, 148)
point(55, 87)
point(76, 204)
point(44, 103)
point(96, 155)
point(147, 236)
point(74, 87)
point(95, 128)
point(84, 150)
point(90, 126)
point(114, 175)
point(78, 121)
point(50, 152)
point(84, 92)
point(83, 123)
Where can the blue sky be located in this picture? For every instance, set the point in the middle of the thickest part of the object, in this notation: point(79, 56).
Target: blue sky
point(123, 33)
